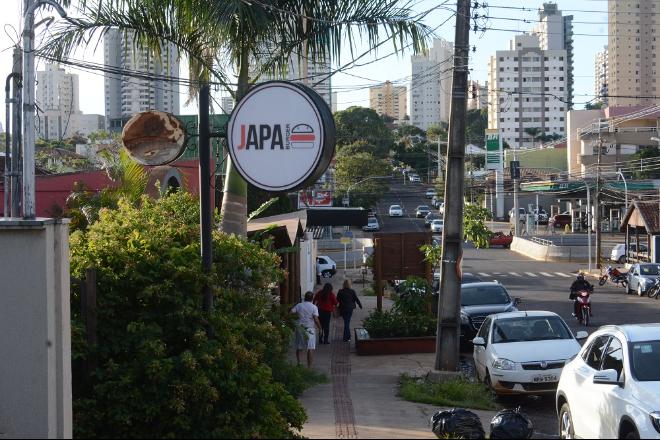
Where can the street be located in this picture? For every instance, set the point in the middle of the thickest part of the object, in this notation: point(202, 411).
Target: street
point(541, 286)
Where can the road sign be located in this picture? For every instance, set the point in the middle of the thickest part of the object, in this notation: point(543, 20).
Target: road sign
point(345, 240)
point(493, 150)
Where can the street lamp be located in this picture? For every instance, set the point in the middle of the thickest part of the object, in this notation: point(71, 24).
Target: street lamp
point(625, 185)
point(348, 191)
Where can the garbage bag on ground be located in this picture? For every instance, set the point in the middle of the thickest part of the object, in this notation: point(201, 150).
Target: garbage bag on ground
point(511, 423)
point(457, 423)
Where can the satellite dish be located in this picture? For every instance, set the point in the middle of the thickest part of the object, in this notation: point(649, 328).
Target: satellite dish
point(154, 138)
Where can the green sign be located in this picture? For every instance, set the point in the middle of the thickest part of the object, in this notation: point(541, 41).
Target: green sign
point(493, 152)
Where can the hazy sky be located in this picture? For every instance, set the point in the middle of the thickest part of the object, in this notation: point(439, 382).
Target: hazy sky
point(590, 27)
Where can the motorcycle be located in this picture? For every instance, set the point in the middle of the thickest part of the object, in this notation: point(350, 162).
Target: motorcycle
point(584, 307)
point(654, 290)
point(614, 276)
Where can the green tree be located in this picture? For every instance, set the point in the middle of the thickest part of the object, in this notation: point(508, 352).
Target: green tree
point(352, 168)
point(216, 36)
point(595, 106)
point(474, 225)
point(435, 132)
point(534, 132)
point(361, 146)
point(475, 130)
point(363, 124)
point(407, 130)
point(157, 374)
point(645, 172)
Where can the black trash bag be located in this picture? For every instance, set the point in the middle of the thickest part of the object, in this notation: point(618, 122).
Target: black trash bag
point(457, 423)
point(511, 423)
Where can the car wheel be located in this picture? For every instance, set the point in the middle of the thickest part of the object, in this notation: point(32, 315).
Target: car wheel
point(632, 435)
point(622, 259)
point(628, 290)
point(566, 429)
point(640, 292)
point(326, 274)
point(488, 382)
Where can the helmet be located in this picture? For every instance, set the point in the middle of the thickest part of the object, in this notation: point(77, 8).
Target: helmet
point(580, 276)
point(510, 423)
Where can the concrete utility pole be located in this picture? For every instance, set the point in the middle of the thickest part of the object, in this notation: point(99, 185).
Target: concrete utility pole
point(516, 211)
point(16, 138)
point(449, 306)
point(597, 201)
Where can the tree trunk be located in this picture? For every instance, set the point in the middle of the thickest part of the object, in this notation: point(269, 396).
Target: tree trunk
point(234, 201)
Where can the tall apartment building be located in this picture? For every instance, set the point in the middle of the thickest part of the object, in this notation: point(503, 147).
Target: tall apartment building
point(601, 76)
point(430, 86)
point(555, 32)
point(126, 95)
point(389, 100)
point(527, 90)
point(315, 74)
point(477, 95)
point(59, 103)
point(227, 104)
point(633, 52)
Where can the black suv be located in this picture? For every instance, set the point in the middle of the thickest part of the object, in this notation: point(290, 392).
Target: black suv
point(478, 300)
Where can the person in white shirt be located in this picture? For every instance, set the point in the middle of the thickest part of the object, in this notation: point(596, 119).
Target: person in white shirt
point(308, 322)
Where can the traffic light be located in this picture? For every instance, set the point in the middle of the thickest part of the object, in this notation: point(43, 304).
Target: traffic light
point(514, 166)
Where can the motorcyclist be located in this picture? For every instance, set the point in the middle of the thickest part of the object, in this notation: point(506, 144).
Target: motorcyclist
point(578, 285)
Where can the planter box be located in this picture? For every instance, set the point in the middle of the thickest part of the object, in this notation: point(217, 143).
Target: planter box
point(368, 346)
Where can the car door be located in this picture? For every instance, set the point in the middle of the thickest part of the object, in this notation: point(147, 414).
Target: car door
point(480, 355)
point(632, 277)
point(581, 400)
point(611, 398)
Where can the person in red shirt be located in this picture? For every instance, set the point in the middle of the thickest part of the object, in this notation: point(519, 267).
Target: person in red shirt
point(326, 301)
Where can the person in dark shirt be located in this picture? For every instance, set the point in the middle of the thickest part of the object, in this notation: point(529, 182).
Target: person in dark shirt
point(326, 301)
point(347, 300)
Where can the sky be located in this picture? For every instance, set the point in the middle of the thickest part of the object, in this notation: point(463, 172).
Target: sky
point(502, 22)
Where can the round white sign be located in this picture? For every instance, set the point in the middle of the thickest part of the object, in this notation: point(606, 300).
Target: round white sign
point(281, 136)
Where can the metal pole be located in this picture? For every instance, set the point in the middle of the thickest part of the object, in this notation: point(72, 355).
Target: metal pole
point(17, 136)
point(205, 192)
point(439, 162)
point(597, 198)
point(6, 187)
point(516, 226)
point(588, 221)
point(625, 185)
point(538, 212)
point(448, 334)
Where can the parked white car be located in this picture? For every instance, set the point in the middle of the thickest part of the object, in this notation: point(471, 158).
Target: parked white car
point(612, 388)
point(325, 266)
point(437, 225)
point(396, 211)
point(619, 252)
point(372, 225)
point(414, 178)
point(430, 194)
point(441, 208)
point(523, 352)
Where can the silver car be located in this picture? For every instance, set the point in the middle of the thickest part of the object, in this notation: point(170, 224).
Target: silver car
point(641, 277)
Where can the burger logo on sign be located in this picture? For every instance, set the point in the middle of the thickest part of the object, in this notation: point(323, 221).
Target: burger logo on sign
point(281, 136)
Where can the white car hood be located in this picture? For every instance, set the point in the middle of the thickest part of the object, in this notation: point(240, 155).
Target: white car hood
point(532, 351)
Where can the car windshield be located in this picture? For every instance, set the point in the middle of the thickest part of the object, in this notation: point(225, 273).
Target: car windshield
point(529, 328)
point(437, 222)
point(422, 207)
point(395, 207)
point(483, 295)
point(645, 361)
point(649, 269)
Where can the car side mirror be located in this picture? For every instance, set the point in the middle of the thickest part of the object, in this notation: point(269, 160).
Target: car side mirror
point(581, 335)
point(607, 377)
point(479, 342)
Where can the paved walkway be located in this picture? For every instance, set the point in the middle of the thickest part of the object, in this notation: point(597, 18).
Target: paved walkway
point(360, 400)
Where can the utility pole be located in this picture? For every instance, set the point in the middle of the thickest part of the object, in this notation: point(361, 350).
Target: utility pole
point(447, 341)
point(206, 217)
point(516, 211)
point(428, 165)
point(597, 201)
point(16, 137)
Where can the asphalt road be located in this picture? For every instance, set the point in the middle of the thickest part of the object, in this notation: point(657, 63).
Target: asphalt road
point(540, 285)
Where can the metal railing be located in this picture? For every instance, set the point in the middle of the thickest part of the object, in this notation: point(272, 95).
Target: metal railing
point(542, 241)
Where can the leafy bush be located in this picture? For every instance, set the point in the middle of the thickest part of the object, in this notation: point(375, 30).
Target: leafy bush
point(410, 315)
point(458, 393)
point(157, 372)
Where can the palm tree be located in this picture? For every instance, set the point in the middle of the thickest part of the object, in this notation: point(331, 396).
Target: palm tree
point(534, 132)
point(225, 35)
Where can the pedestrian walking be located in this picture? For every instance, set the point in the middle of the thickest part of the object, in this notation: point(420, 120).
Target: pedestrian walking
point(307, 324)
point(326, 301)
point(347, 300)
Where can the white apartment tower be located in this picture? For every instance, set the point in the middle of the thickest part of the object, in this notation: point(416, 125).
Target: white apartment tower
point(227, 104)
point(126, 95)
point(633, 52)
point(527, 90)
point(555, 32)
point(430, 86)
point(477, 95)
point(601, 76)
point(58, 98)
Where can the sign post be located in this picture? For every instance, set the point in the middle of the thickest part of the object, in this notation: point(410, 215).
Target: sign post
point(495, 161)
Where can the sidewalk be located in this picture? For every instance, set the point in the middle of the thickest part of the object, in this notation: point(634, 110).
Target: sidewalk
point(359, 400)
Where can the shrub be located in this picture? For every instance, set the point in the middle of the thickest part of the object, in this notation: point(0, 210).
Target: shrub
point(459, 393)
point(158, 374)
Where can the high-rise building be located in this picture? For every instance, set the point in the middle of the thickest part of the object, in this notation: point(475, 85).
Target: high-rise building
point(555, 32)
point(126, 94)
point(430, 86)
point(633, 52)
point(227, 104)
point(527, 92)
point(389, 100)
point(601, 76)
point(333, 107)
point(58, 100)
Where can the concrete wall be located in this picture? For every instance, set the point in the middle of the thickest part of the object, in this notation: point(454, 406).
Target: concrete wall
point(308, 252)
point(577, 119)
point(35, 371)
point(550, 253)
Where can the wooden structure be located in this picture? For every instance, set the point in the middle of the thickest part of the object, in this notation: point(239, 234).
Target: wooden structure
point(398, 256)
point(642, 221)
